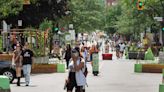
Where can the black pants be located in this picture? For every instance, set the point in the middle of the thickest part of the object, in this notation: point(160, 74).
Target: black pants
point(67, 61)
point(72, 83)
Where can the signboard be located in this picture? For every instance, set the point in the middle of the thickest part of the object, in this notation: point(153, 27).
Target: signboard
point(19, 22)
point(70, 26)
point(72, 32)
point(4, 26)
point(158, 18)
point(68, 37)
point(95, 58)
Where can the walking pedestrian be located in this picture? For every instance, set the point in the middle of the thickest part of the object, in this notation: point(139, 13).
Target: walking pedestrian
point(122, 48)
point(117, 50)
point(68, 54)
point(27, 60)
point(76, 77)
point(17, 62)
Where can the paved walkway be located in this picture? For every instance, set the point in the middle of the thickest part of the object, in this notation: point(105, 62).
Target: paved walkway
point(115, 76)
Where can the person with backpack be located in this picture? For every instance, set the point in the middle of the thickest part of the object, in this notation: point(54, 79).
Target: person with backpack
point(77, 72)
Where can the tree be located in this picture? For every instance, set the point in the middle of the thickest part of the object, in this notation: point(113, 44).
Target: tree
point(38, 10)
point(10, 7)
point(87, 15)
point(126, 18)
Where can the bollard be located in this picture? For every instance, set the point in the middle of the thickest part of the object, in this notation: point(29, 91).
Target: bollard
point(138, 68)
point(4, 84)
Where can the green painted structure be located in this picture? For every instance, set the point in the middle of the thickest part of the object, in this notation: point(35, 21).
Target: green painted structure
point(138, 68)
point(4, 84)
point(61, 68)
point(149, 55)
point(161, 88)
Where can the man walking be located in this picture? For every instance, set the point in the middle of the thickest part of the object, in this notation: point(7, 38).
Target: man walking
point(27, 60)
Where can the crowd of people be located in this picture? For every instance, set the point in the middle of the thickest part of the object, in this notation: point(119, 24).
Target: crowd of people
point(76, 58)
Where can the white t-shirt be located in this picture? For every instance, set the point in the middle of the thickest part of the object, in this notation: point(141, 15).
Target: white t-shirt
point(122, 47)
point(80, 78)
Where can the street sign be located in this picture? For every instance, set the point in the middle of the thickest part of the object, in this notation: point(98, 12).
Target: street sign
point(158, 18)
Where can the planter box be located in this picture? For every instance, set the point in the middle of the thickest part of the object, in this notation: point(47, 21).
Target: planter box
point(152, 68)
point(161, 88)
point(61, 68)
point(138, 68)
point(107, 56)
point(4, 84)
point(44, 68)
point(136, 55)
point(6, 57)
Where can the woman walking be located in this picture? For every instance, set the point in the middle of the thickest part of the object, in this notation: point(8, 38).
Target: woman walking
point(76, 76)
point(68, 54)
point(17, 62)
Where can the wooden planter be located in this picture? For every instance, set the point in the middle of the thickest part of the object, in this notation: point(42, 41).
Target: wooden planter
point(5, 57)
point(152, 68)
point(44, 68)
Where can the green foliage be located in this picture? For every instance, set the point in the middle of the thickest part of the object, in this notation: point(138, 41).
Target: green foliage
point(87, 15)
point(8, 7)
point(45, 25)
point(126, 19)
point(39, 51)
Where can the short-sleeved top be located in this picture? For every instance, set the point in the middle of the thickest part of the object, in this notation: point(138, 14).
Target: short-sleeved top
point(27, 56)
